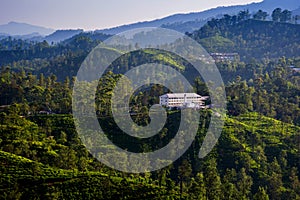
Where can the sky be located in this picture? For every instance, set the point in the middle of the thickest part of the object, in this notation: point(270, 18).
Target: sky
point(99, 14)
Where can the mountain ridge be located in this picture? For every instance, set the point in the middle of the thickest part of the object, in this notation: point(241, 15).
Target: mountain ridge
point(19, 28)
point(266, 5)
point(182, 22)
point(61, 35)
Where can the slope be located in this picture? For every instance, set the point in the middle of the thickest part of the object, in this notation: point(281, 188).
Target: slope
point(26, 179)
point(16, 28)
point(179, 21)
point(251, 38)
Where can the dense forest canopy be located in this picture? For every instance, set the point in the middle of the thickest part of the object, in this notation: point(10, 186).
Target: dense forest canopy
point(252, 37)
point(257, 156)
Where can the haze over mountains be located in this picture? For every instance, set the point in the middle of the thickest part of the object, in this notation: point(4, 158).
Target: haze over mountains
point(174, 21)
point(180, 22)
point(16, 28)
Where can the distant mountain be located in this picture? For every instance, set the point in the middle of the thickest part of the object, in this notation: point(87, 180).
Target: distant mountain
point(61, 35)
point(32, 36)
point(16, 28)
point(270, 5)
point(180, 22)
point(183, 27)
point(85, 36)
point(186, 22)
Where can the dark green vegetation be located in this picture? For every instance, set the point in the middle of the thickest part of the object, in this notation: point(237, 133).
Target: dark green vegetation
point(257, 156)
point(252, 38)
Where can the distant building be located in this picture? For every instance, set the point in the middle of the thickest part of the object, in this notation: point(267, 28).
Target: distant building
point(221, 57)
point(183, 100)
point(44, 112)
point(296, 70)
point(4, 108)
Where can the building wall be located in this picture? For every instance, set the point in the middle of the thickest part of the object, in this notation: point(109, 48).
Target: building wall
point(179, 101)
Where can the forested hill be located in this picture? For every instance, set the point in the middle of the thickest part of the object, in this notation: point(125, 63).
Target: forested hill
point(42, 157)
point(250, 38)
point(256, 157)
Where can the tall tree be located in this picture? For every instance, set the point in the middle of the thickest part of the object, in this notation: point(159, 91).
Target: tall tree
point(274, 186)
point(286, 16)
point(197, 189)
point(228, 185)
point(294, 181)
point(261, 194)
point(185, 172)
point(276, 15)
point(243, 15)
point(212, 181)
point(244, 184)
point(260, 15)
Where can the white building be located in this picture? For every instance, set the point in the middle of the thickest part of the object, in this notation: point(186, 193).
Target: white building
point(221, 57)
point(182, 100)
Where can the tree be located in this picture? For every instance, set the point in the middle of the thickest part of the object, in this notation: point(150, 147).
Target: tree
point(42, 80)
point(212, 181)
point(62, 139)
point(244, 184)
point(162, 174)
point(274, 186)
point(185, 172)
point(197, 189)
point(258, 85)
point(294, 181)
point(228, 185)
point(275, 167)
point(243, 15)
point(297, 18)
point(261, 194)
point(286, 16)
point(276, 15)
point(260, 15)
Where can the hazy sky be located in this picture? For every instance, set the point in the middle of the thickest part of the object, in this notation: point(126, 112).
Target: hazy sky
point(92, 14)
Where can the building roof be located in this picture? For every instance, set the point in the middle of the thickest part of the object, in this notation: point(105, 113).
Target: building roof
point(180, 95)
point(205, 97)
point(224, 54)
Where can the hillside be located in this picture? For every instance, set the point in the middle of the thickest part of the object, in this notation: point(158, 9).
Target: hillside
point(42, 154)
point(250, 145)
point(254, 149)
point(190, 21)
point(16, 28)
point(184, 22)
point(61, 35)
point(250, 38)
point(22, 178)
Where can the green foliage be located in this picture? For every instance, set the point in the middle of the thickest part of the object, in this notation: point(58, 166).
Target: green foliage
point(41, 182)
point(217, 42)
point(261, 194)
point(239, 148)
point(260, 15)
point(256, 157)
point(251, 38)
